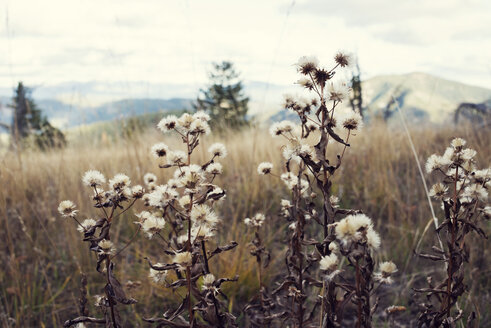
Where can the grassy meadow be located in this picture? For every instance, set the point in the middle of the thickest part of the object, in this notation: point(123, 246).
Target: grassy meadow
point(43, 255)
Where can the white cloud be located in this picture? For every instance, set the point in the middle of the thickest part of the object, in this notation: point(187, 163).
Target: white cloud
point(55, 41)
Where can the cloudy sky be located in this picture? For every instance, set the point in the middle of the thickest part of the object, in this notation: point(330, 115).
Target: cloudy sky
point(49, 42)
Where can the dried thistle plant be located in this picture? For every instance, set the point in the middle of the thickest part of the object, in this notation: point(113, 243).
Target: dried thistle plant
point(117, 199)
point(181, 215)
point(463, 193)
point(260, 308)
point(317, 239)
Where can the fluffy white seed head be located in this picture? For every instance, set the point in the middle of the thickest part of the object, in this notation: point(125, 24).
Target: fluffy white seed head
point(256, 221)
point(176, 157)
point(167, 123)
point(119, 182)
point(201, 115)
point(158, 276)
point(159, 150)
point(93, 178)
point(307, 64)
point(208, 279)
point(264, 168)
point(184, 259)
point(214, 168)
point(338, 91)
point(344, 59)
point(458, 143)
point(162, 196)
point(152, 225)
point(67, 208)
point(86, 225)
point(436, 162)
point(106, 247)
point(438, 191)
point(218, 150)
point(328, 262)
point(149, 178)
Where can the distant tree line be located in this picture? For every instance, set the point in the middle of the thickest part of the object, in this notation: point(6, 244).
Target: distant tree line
point(28, 126)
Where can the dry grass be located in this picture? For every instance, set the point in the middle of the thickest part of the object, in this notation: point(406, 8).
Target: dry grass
point(43, 255)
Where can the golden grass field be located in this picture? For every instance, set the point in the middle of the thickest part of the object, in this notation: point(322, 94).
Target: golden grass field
point(43, 254)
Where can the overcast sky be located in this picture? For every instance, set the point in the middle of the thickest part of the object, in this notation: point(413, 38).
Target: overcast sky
point(161, 41)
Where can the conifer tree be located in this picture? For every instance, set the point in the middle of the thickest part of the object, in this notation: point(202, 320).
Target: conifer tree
point(224, 100)
point(28, 121)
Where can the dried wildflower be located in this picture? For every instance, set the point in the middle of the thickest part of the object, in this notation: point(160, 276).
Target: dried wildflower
point(264, 168)
point(328, 262)
point(208, 279)
point(158, 276)
point(152, 225)
point(476, 191)
point(86, 225)
point(93, 178)
point(439, 190)
point(338, 91)
point(214, 168)
point(176, 157)
point(306, 83)
point(184, 201)
point(436, 162)
point(161, 196)
point(282, 127)
point(106, 247)
point(149, 178)
point(67, 208)
point(159, 150)
point(203, 214)
point(201, 115)
point(307, 64)
point(137, 192)
point(119, 181)
point(185, 121)
point(343, 59)
point(387, 269)
point(289, 179)
point(183, 259)
point(199, 127)
point(218, 150)
point(256, 221)
point(168, 123)
point(458, 143)
point(373, 239)
point(350, 120)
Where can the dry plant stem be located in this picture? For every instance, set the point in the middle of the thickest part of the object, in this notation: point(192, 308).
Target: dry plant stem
point(358, 295)
point(190, 305)
point(111, 306)
point(205, 257)
point(453, 221)
point(127, 244)
point(322, 303)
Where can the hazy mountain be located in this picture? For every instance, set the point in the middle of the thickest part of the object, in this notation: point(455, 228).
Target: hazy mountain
point(423, 97)
point(66, 115)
